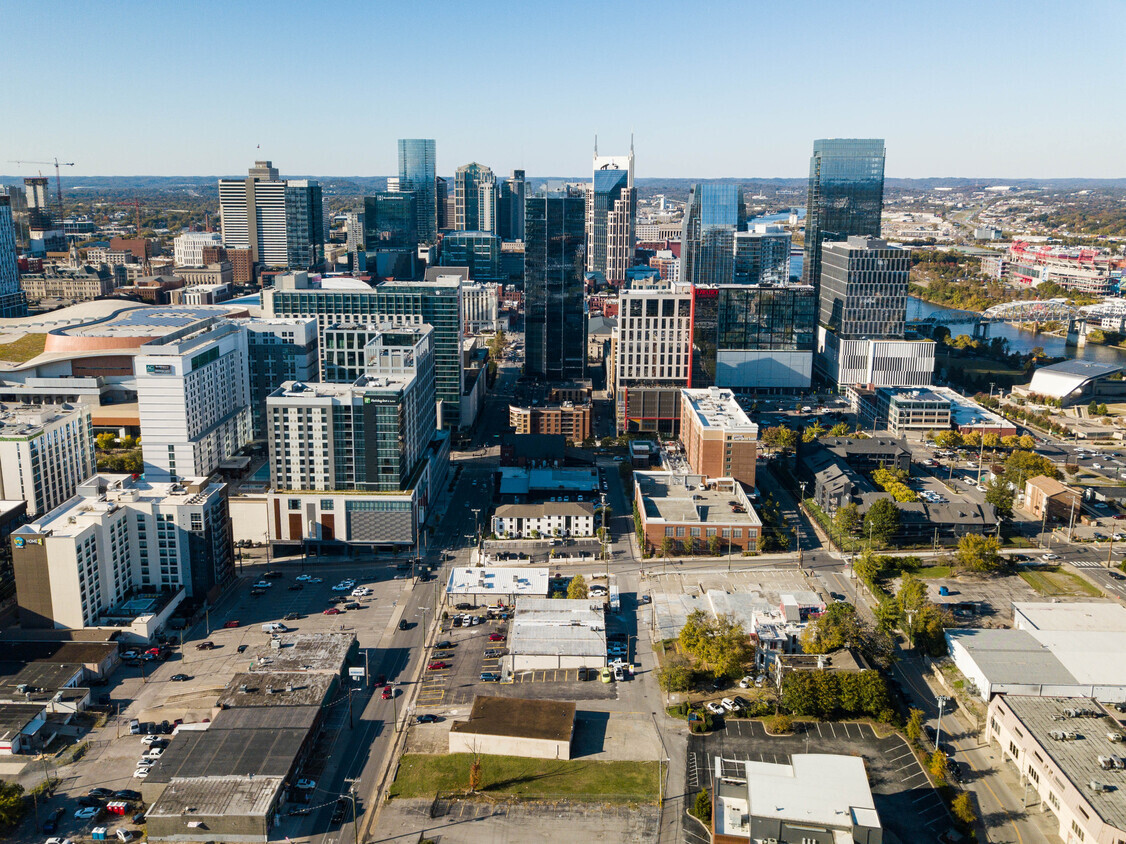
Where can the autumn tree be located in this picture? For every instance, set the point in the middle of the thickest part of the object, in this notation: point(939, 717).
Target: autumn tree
point(719, 645)
point(881, 522)
point(979, 553)
point(914, 727)
point(577, 588)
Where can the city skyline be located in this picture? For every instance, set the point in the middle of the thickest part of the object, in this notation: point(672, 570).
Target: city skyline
point(932, 82)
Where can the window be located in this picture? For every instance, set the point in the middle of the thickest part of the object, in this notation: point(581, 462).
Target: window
point(1055, 801)
point(1014, 750)
point(326, 504)
point(668, 531)
point(294, 504)
point(1032, 775)
point(1077, 831)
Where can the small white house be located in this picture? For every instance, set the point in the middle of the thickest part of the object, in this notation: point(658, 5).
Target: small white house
point(554, 518)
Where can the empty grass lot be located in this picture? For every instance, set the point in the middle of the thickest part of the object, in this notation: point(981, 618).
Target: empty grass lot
point(423, 774)
point(1054, 582)
point(24, 349)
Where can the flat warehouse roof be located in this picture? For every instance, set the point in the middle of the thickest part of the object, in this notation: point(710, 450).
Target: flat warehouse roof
point(206, 796)
point(217, 752)
point(498, 581)
point(515, 717)
point(1012, 657)
point(1092, 616)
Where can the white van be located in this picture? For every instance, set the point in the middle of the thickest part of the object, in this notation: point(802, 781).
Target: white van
point(274, 627)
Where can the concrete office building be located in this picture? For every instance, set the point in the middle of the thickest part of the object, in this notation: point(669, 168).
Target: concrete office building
point(193, 398)
point(45, 452)
point(475, 198)
point(80, 284)
point(720, 441)
point(818, 798)
point(481, 305)
point(611, 215)
point(277, 350)
point(13, 302)
point(212, 274)
point(436, 303)
point(187, 248)
point(652, 357)
point(281, 221)
point(117, 537)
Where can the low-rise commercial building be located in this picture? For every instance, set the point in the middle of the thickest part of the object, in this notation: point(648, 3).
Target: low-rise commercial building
point(496, 585)
point(557, 633)
point(569, 419)
point(530, 521)
point(693, 513)
point(81, 284)
point(815, 797)
point(1048, 499)
point(1068, 764)
point(720, 441)
point(213, 274)
point(518, 485)
point(509, 726)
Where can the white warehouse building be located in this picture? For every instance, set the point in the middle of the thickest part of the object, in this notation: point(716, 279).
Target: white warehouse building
point(557, 633)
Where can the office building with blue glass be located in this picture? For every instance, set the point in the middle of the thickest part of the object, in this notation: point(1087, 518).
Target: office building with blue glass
point(391, 234)
point(418, 163)
point(715, 212)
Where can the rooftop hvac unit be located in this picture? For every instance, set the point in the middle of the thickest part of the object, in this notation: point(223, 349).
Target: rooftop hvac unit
point(269, 690)
point(1098, 787)
point(1106, 763)
point(1115, 737)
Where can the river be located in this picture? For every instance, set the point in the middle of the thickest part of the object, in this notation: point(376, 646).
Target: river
point(1023, 341)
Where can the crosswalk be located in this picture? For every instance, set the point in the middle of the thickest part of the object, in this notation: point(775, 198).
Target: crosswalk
point(1087, 564)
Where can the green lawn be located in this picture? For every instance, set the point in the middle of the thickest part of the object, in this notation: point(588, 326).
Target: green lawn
point(423, 774)
point(24, 349)
point(1057, 583)
point(932, 571)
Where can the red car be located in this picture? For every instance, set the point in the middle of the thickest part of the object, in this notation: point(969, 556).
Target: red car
point(438, 666)
point(333, 611)
point(496, 637)
point(231, 624)
point(388, 693)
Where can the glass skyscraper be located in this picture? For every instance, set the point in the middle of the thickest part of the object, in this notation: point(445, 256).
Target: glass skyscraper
point(475, 198)
point(554, 271)
point(846, 196)
point(418, 162)
point(714, 213)
point(510, 214)
point(391, 234)
point(479, 251)
point(762, 256)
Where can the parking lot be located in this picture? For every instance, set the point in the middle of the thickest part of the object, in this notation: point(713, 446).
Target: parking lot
point(910, 809)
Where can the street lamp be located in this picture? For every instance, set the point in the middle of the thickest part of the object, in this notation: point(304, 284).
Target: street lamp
point(942, 701)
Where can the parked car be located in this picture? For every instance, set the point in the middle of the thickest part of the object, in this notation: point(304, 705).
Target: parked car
point(333, 611)
point(352, 605)
point(52, 822)
point(100, 793)
point(403, 624)
point(496, 637)
point(88, 813)
point(428, 718)
point(242, 649)
point(388, 693)
point(230, 625)
point(714, 708)
point(292, 616)
point(338, 810)
point(206, 645)
point(127, 794)
point(444, 644)
point(306, 784)
point(728, 704)
point(437, 666)
point(489, 677)
point(179, 678)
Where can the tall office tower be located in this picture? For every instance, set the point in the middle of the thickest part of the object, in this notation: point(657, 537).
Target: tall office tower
point(117, 536)
point(277, 350)
point(442, 202)
point(45, 229)
point(418, 161)
point(193, 398)
point(751, 337)
point(368, 436)
point(863, 314)
point(611, 216)
point(652, 356)
point(474, 198)
point(436, 303)
point(13, 302)
point(391, 234)
point(554, 273)
point(478, 252)
point(280, 221)
point(715, 212)
point(187, 248)
point(354, 230)
point(762, 256)
point(46, 451)
point(845, 197)
point(510, 214)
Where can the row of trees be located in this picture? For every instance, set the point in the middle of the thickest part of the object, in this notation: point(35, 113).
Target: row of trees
point(827, 694)
point(108, 442)
point(894, 482)
point(974, 439)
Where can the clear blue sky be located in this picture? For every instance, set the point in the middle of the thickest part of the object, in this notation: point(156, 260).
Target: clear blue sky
point(712, 89)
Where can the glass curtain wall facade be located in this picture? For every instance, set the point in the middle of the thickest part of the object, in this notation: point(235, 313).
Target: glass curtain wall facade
point(611, 210)
point(762, 257)
point(470, 182)
point(391, 234)
point(714, 214)
point(845, 198)
point(554, 271)
point(479, 251)
point(510, 213)
point(418, 161)
point(864, 289)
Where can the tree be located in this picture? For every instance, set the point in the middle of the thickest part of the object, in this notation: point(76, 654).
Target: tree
point(714, 544)
point(577, 588)
point(948, 439)
point(915, 725)
point(812, 432)
point(667, 546)
point(12, 806)
point(1000, 495)
point(689, 545)
point(534, 533)
point(475, 773)
point(1093, 408)
point(839, 430)
point(104, 442)
point(847, 518)
point(881, 522)
point(702, 807)
point(840, 626)
point(938, 767)
point(963, 808)
point(780, 438)
point(972, 439)
point(1037, 353)
point(675, 675)
point(979, 553)
point(1022, 465)
point(992, 440)
point(720, 645)
point(1027, 442)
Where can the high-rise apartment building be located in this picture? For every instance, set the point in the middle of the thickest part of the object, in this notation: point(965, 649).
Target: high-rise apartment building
point(46, 451)
point(79, 564)
point(281, 221)
point(369, 436)
point(715, 212)
point(554, 275)
point(863, 311)
point(652, 356)
point(436, 303)
point(611, 216)
point(762, 256)
point(845, 198)
point(418, 161)
point(187, 248)
point(13, 302)
point(193, 398)
point(510, 213)
point(478, 252)
point(277, 350)
point(391, 234)
point(475, 199)
point(752, 337)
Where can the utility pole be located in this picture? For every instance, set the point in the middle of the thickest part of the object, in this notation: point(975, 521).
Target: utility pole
point(942, 701)
point(352, 795)
point(1071, 521)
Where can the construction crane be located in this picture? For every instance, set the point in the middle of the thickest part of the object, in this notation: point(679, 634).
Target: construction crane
point(58, 178)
